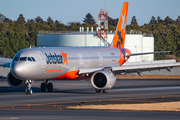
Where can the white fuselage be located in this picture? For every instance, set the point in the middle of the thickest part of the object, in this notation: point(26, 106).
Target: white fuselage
point(51, 62)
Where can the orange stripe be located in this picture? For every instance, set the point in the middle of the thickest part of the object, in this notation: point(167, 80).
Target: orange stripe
point(69, 75)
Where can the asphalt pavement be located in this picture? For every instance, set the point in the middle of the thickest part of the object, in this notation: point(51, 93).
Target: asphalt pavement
point(14, 104)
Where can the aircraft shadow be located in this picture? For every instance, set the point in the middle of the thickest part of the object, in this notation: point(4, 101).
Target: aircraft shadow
point(38, 90)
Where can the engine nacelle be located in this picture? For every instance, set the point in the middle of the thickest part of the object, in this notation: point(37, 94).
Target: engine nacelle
point(14, 82)
point(103, 80)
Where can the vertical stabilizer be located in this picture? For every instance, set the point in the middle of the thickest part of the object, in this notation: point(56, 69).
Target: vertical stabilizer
point(119, 37)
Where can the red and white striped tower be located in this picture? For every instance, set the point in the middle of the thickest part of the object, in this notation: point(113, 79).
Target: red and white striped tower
point(103, 24)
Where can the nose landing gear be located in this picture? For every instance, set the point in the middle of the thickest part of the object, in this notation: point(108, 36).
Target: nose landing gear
point(28, 90)
point(45, 85)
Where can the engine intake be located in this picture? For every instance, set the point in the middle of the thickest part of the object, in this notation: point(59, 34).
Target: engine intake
point(103, 80)
point(14, 82)
point(100, 80)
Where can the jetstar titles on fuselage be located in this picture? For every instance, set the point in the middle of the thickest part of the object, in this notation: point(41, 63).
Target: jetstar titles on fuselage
point(53, 59)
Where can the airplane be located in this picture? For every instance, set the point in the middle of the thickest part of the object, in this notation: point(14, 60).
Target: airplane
point(100, 64)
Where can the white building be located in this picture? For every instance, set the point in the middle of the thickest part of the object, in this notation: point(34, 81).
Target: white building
point(135, 41)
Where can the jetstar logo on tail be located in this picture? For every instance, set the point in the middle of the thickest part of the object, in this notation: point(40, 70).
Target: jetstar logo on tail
point(64, 55)
point(119, 37)
point(123, 26)
point(121, 33)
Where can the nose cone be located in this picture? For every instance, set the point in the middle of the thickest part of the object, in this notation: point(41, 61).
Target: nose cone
point(17, 70)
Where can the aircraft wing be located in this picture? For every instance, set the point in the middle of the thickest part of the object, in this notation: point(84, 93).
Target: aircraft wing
point(5, 62)
point(146, 66)
point(136, 67)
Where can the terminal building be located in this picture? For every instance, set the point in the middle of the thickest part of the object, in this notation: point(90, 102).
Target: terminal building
point(135, 41)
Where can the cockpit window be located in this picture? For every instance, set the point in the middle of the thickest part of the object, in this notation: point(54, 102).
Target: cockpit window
point(23, 58)
point(16, 58)
point(29, 59)
point(32, 58)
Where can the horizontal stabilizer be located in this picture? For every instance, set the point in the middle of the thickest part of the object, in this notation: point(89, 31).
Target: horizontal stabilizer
point(134, 54)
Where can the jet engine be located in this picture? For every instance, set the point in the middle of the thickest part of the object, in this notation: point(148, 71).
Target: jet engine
point(14, 82)
point(103, 80)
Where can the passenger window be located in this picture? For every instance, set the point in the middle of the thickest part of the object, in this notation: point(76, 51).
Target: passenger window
point(29, 59)
point(16, 58)
point(33, 59)
point(23, 58)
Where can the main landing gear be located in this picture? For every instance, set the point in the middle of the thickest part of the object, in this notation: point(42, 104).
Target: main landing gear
point(98, 91)
point(28, 89)
point(45, 85)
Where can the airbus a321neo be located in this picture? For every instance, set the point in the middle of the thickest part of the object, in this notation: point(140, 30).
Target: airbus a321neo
point(100, 64)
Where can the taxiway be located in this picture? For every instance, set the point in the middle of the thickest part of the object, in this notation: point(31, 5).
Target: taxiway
point(52, 105)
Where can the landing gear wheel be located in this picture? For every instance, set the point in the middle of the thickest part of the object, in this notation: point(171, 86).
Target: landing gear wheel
point(43, 87)
point(104, 91)
point(26, 91)
point(50, 87)
point(97, 90)
point(30, 91)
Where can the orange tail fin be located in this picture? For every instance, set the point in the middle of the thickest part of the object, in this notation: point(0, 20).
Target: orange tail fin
point(119, 37)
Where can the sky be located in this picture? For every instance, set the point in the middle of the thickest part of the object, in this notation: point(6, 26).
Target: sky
point(75, 10)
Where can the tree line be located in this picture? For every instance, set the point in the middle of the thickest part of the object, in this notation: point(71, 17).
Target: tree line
point(166, 34)
point(19, 34)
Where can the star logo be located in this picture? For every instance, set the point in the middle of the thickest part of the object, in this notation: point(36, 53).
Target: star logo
point(123, 23)
point(64, 55)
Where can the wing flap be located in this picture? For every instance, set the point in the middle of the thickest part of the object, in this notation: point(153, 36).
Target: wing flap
point(151, 62)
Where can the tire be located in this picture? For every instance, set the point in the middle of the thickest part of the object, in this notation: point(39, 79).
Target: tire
point(104, 91)
point(26, 91)
point(50, 87)
point(43, 87)
point(97, 90)
point(30, 92)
